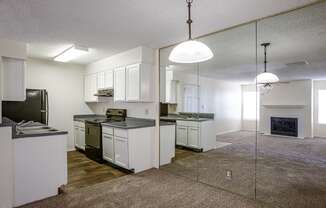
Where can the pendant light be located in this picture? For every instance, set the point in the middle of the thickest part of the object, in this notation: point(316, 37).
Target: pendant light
point(266, 78)
point(190, 51)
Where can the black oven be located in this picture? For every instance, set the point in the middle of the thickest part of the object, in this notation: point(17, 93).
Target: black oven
point(93, 141)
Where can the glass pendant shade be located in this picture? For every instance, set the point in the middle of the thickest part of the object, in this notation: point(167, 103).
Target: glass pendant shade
point(190, 51)
point(266, 77)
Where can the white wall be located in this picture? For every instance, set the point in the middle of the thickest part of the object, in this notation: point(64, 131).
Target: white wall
point(218, 97)
point(136, 55)
point(319, 129)
point(64, 83)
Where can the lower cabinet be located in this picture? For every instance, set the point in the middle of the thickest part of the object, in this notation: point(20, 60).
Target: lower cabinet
point(131, 149)
point(182, 135)
point(121, 152)
point(79, 135)
point(108, 147)
point(197, 135)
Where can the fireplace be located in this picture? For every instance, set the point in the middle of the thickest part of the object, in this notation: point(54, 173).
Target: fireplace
point(284, 126)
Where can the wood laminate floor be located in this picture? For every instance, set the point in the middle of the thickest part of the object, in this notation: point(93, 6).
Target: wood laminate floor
point(83, 172)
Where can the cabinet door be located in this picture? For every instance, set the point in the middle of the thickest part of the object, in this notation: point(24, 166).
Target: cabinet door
point(193, 137)
point(121, 152)
point(133, 82)
point(182, 135)
point(76, 137)
point(101, 80)
point(119, 84)
point(108, 79)
point(108, 147)
point(13, 79)
point(82, 138)
point(90, 87)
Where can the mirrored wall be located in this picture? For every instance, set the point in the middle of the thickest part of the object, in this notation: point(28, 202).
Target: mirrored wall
point(222, 126)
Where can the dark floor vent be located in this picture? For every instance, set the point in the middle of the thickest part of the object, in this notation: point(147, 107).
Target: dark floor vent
point(284, 126)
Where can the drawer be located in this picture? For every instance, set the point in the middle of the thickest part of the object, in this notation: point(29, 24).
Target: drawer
point(107, 130)
point(79, 124)
point(121, 133)
point(189, 123)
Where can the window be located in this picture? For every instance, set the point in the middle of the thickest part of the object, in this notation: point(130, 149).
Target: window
point(249, 106)
point(322, 106)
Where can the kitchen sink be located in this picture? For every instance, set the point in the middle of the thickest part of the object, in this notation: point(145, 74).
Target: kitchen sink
point(35, 130)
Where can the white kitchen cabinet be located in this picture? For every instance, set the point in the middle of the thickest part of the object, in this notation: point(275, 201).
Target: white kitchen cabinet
point(108, 78)
point(182, 135)
point(131, 149)
point(199, 135)
point(133, 82)
point(90, 88)
point(119, 84)
point(12, 74)
point(139, 83)
point(108, 147)
point(193, 137)
point(79, 135)
point(105, 79)
point(121, 152)
point(100, 80)
point(167, 143)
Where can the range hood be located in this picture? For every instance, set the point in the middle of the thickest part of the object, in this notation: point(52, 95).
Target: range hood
point(104, 93)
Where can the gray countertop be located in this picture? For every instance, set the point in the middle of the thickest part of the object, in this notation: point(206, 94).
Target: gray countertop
point(174, 117)
point(15, 135)
point(131, 123)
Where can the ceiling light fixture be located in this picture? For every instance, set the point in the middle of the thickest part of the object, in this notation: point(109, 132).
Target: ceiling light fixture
point(266, 77)
point(190, 51)
point(71, 53)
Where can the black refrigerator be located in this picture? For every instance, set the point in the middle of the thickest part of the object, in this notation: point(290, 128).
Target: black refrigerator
point(34, 108)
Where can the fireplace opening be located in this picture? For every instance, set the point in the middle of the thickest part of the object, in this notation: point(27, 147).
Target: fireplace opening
point(284, 126)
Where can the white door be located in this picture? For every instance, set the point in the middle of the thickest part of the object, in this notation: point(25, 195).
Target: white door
point(108, 148)
point(82, 138)
point(121, 153)
point(90, 87)
point(193, 137)
point(119, 84)
point(182, 135)
point(133, 82)
point(108, 79)
point(76, 136)
point(101, 80)
point(13, 79)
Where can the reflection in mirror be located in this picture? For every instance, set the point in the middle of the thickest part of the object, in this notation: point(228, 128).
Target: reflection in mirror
point(291, 169)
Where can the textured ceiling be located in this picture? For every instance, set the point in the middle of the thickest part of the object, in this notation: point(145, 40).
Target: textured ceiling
point(299, 36)
point(112, 26)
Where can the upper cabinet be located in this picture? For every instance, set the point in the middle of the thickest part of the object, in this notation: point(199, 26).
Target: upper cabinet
point(139, 85)
point(90, 85)
point(119, 85)
point(105, 79)
point(13, 84)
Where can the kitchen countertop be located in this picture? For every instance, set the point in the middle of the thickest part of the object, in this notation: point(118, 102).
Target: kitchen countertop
point(83, 118)
point(15, 135)
point(174, 117)
point(131, 123)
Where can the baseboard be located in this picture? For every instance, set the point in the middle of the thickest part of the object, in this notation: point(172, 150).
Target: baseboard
point(71, 149)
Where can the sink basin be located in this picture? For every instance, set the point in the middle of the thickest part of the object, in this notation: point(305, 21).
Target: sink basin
point(35, 130)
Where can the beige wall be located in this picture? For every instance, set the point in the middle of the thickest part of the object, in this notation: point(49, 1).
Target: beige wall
point(65, 85)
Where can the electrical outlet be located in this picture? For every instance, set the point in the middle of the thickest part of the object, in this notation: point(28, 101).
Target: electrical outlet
point(229, 174)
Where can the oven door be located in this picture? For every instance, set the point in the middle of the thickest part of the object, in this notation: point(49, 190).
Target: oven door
point(93, 135)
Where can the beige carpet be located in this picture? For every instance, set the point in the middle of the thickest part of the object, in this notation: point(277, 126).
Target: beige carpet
point(153, 188)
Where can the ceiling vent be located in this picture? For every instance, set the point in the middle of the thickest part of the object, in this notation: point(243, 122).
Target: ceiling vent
point(298, 63)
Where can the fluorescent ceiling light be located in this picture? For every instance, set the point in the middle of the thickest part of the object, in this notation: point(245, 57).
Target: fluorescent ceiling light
point(71, 53)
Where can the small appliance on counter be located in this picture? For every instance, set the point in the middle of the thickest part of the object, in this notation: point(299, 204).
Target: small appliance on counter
point(34, 108)
point(93, 132)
